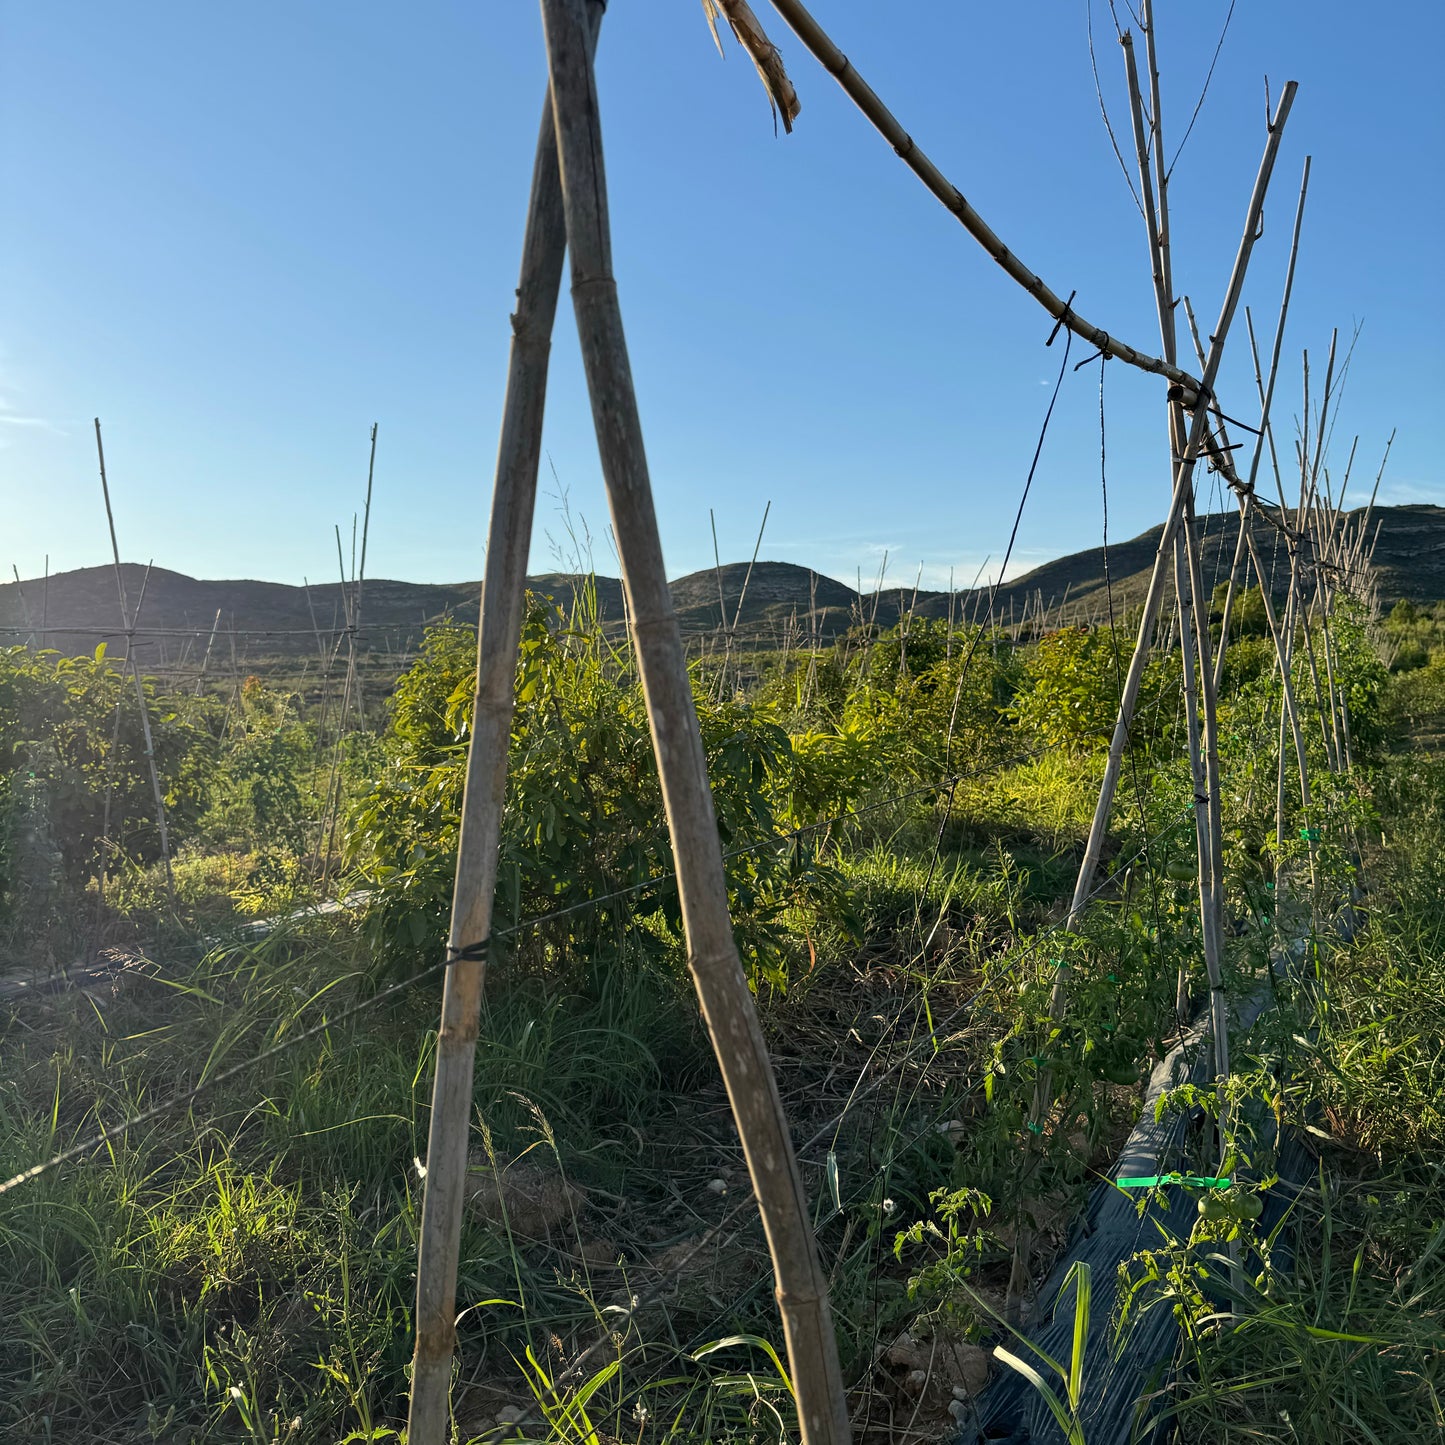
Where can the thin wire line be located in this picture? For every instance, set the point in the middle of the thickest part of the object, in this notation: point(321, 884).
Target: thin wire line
point(1103, 110)
point(993, 598)
point(1199, 105)
point(749, 1205)
point(113, 1132)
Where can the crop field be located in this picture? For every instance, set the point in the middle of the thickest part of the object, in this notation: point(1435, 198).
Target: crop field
point(902, 814)
point(721, 1005)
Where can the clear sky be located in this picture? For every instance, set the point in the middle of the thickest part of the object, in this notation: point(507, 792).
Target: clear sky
point(240, 234)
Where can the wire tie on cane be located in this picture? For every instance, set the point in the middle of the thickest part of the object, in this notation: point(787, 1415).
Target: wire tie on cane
point(1063, 317)
point(1102, 354)
point(469, 953)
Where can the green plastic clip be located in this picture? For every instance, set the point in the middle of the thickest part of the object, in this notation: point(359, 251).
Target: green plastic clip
point(1310, 835)
point(1194, 1181)
point(1035, 1128)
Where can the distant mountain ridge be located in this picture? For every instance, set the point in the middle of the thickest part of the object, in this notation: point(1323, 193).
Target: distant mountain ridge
point(74, 611)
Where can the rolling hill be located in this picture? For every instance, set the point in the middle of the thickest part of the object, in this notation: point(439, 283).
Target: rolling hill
point(255, 621)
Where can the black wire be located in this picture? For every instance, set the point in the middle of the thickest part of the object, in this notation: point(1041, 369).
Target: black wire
point(993, 598)
point(1199, 105)
point(473, 952)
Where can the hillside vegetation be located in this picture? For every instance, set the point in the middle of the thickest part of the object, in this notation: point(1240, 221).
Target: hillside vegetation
point(261, 622)
point(902, 811)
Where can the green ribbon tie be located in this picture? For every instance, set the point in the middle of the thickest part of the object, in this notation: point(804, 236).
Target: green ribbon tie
point(1154, 1181)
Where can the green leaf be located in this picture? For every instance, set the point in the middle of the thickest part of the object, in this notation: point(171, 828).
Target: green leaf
point(1064, 1417)
point(755, 1340)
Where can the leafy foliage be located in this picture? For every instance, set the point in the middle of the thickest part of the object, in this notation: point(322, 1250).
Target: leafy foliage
point(583, 822)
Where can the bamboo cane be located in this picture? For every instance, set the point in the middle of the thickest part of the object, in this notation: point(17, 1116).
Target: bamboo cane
point(106, 849)
point(863, 96)
point(713, 960)
point(1202, 731)
point(1183, 475)
point(1185, 450)
point(499, 633)
point(1281, 636)
point(359, 701)
point(128, 622)
point(1266, 395)
point(24, 609)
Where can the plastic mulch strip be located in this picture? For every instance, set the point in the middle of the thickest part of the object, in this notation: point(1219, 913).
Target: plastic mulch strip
point(1153, 1181)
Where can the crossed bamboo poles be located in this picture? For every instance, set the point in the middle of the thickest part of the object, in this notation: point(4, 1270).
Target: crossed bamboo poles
point(568, 210)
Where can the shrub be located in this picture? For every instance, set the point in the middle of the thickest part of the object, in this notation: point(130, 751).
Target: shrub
point(584, 822)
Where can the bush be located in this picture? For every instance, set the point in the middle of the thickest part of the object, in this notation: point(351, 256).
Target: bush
point(583, 823)
point(1073, 682)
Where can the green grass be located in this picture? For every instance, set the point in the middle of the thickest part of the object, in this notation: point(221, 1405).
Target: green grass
point(243, 1269)
point(1348, 1343)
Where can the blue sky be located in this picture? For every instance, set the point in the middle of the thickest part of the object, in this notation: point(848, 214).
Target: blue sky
point(241, 234)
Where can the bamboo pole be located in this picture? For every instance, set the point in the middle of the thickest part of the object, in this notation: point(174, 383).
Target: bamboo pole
point(206, 658)
point(508, 539)
point(1200, 698)
point(106, 848)
point(1246, 494)
point(1184, 448)
point(24, 609)
point(1183, 479)
point(128, 622)
point(359, 700)
point(722, 988)
point(883, 120)
point(1245, 497)
point(738, 611)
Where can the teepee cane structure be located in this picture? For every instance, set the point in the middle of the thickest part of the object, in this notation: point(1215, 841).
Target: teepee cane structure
point(569, 211)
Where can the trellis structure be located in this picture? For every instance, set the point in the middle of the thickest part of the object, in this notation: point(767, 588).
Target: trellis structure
point(568, 212)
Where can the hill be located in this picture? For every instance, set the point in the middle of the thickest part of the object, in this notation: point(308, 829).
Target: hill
point(270, 621)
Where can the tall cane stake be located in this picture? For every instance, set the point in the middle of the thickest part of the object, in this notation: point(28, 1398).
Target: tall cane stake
point(508, 539)
point(716, 969)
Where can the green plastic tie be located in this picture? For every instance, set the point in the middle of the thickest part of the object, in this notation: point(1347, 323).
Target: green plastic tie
point(1194, 1181)
point(1310, 835)
point(1035, 1128)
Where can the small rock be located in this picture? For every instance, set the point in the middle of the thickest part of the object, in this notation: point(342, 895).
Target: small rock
point(915, 1381)
point(903, 1351)
point(508, 1415)
point(717, 1186)
point(530, 1195)
point(969, 1365)
point(599, 1253)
